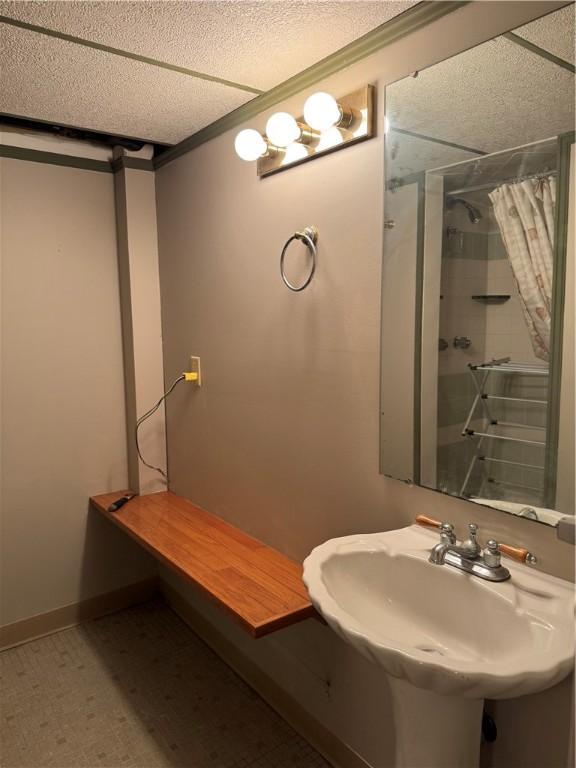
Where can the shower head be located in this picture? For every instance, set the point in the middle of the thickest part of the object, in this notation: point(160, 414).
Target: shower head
point(473, 213)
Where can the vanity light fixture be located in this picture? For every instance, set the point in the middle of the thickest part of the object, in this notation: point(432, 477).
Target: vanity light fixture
point(328, 124)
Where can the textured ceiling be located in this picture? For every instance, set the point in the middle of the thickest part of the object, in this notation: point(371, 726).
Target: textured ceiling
point(554, 33)
point(406, 154)
point(256, 44)
point(54, 80)
point(489, 98)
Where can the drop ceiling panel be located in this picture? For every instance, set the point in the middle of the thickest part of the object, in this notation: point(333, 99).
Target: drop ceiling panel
point(258, 44)
point(48, 79)
point(554, 33)
point(491, 97)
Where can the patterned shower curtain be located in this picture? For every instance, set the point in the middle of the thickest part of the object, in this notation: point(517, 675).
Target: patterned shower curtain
point(525, 215)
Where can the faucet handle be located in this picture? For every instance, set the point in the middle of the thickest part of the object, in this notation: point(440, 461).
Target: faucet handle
point(492, 556)
point(519, 553)
point(447, 533)
point(472, 531)
point(470, 546)
point(446, 526)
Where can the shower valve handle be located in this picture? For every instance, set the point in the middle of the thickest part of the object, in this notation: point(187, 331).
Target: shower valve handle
point(461, 342)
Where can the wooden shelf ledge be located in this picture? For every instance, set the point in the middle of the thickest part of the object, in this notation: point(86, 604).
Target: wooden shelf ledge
point(261, 588)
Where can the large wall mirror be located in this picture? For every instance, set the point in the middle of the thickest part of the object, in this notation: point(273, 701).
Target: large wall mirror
point(477, 395)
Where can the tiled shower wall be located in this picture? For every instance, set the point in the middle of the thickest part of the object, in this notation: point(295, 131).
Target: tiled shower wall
point(474, 262)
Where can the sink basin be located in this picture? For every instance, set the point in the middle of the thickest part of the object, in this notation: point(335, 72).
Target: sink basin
point(437, 628)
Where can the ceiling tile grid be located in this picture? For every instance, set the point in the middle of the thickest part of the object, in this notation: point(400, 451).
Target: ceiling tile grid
point(258, 44)
point(409, 154)
point(255, 44)
point(490, 97)
point(54, 80)
point(554, 33)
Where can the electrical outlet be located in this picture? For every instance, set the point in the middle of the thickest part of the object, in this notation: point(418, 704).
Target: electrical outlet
point(196, 368)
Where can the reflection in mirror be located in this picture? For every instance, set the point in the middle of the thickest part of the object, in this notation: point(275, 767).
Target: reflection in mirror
point(478, 274)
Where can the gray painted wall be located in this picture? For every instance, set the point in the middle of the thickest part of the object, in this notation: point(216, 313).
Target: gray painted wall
point(63, 434)
point(282, 440)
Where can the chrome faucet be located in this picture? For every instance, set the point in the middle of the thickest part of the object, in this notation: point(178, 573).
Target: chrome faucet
point(468, 555)
point(469, 549)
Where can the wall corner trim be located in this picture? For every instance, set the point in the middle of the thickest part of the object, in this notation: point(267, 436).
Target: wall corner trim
point(139, 277)
point(75, 161)
point(54, 158)
point(405, 23)
point(135, 163)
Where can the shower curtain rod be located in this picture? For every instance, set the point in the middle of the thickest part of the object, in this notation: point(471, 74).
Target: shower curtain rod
point(495, 184)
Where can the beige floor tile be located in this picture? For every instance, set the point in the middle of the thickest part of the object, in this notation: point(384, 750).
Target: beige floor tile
point(137, 689)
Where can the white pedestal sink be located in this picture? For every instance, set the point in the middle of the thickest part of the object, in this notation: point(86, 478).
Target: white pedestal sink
point(447, 639)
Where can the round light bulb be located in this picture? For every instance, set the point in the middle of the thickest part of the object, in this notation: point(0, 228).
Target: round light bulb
point(321, 111)
point(330, 138)
point(250, 145)
point(282, 129)
point(295, 152)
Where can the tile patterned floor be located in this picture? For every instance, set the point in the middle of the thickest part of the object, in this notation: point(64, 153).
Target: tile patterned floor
point(137, 689)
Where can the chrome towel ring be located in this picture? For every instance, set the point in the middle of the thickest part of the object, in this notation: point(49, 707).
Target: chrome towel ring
point(309, 236)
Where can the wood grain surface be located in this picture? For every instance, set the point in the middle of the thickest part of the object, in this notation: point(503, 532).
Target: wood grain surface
point(260, 587)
